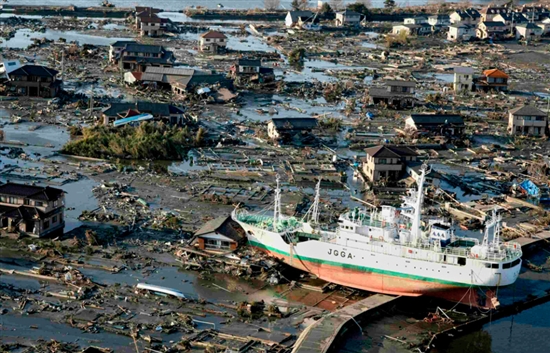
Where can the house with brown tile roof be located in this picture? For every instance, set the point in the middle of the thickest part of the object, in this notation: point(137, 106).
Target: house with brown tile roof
point(213, 42)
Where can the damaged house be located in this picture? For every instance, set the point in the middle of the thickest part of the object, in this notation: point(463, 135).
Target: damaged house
point(528, 31)
point(34, 81)
point(149, 24)
point(395, 93)
point(494, 30)
point(220, 234)
point(116, 48)
point(492, 80)
point(347, 18)
point(33, 210)
point(160, 111)
point(387, 162)
point(137, 57)
point(297, 18)
point(287, 129)
point(527, 120)
point(252, 70)
point(177, 78)
point(213, 42)
point(451, 125)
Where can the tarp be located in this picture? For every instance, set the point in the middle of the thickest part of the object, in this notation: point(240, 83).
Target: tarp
point(132, 119)
point(530, 187)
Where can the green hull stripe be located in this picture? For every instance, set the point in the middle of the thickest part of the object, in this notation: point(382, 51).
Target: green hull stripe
point(359, 268)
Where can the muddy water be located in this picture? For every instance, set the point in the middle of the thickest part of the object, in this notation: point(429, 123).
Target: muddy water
point(189, 283)
point(284, 107)
point(18, 329)
point(312, 71)
point(79, 195)
point(525, 332)
point(23, 38)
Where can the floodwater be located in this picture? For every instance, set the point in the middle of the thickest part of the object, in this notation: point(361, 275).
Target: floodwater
point(314, 69)
point(43, 142)
point(284, 107)
point(524, 332)
point(15, 328)
point(434, 76)
point(232, 4)
point(23, 38)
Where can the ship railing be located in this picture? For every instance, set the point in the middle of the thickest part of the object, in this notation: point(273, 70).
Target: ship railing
point(462, 252)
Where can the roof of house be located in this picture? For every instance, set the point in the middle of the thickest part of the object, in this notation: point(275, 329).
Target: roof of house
point(400, 83)
point(250, 62)
point(492, 9)
point(462, 25)
point(123, 43)
point(140, 9)
point(34, 70)
point(294, 123)
point(144, 48)
point(527, 110)
point(529, 25)
point(349, 13)
point(417, 18)
point(390, 151)
point(464, 70)
point(437, 119)
point(156, 109)
point(137, 75)
point(440, 16)
point(222, 225)
point(496, 73)
point(295, 15)
point(515, 16)
point(213, 34)
point(494, 24)
point(166, 58)
point(173, 71)
point(150, 19)
point(31, 191)
point(471, 12)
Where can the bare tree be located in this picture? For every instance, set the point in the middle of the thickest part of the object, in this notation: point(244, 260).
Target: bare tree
point(299, 4)
point(437, 4)
point(465, 4)
point(272, 4)
point(367, 3)
point(337, 4)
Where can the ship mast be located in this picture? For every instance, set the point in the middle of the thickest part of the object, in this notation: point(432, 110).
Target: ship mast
point(418, 204)
point(315, 207)
point(492, 226)
point(277, 206)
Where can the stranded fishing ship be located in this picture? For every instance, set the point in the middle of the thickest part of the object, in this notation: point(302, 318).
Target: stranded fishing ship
point(389, 250)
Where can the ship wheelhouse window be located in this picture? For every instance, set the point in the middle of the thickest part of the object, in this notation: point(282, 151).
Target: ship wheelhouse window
point(490, 265)
point(461, 261)
point(511, 264)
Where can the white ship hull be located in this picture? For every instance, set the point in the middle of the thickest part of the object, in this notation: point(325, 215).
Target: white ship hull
point(383, 270)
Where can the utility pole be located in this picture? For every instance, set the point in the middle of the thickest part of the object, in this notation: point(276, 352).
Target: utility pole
point(91, 106)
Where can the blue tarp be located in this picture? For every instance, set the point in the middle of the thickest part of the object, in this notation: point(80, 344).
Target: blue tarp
point(530, 187)
point(132, 119)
